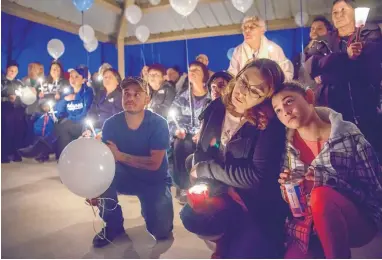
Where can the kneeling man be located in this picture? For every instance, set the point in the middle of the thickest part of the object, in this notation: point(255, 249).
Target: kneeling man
point(139, 140)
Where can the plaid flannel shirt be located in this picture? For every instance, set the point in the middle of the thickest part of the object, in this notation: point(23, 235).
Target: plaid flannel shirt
point(346, 163)
point(181, 104)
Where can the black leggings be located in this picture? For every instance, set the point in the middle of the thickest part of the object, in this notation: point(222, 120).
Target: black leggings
point(182, 149)
point(66, 131)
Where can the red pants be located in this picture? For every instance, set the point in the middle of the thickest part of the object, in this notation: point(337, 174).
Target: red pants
point(339, 225)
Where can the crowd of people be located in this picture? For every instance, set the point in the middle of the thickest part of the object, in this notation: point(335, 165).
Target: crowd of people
point(248, 130)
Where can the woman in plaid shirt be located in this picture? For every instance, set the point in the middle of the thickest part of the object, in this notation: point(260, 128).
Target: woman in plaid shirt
point(342, 177)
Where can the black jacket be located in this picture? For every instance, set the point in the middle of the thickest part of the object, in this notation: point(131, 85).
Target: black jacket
point(350, 87)
point(251, 165)
point(162, 99)
point(105, 107)
point(9, 87)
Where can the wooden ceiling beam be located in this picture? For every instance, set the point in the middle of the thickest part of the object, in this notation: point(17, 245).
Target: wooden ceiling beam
point(46, 19)
point(165, 4)
point(110, 5)
point(211, 32)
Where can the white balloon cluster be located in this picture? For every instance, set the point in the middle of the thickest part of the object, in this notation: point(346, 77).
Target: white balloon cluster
point(133, 14)
point(87, 35)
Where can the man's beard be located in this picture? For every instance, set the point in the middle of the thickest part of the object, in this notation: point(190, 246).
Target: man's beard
point(131, 112)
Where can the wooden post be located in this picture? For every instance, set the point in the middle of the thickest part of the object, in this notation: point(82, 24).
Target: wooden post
point(121, 39)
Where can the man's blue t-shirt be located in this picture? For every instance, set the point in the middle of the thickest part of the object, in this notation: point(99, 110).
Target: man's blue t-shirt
point(152, 134)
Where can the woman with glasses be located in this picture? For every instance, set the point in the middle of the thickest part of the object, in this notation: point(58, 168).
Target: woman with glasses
point(241, 144)
point(257, 46)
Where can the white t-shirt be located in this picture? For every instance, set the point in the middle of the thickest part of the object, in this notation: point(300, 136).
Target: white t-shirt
point(230, 126)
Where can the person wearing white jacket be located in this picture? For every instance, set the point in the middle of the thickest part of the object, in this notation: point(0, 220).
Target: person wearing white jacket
point(257, 46)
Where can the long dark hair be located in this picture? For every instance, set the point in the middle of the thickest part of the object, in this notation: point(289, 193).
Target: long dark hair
point(49, 77)
point(273, 76)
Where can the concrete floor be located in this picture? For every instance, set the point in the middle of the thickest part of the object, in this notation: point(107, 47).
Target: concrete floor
point(41, 218)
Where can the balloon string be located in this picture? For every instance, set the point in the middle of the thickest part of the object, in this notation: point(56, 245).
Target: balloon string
point(83, 33)
point(143, 55)
point(152, 53)
point(302, 29)
point(101, 204)
point(189, 83)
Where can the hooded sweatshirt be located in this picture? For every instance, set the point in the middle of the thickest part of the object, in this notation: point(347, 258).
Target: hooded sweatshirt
point(346, 163)
point(78, 108)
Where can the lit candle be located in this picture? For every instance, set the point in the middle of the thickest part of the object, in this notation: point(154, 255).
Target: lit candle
point(172, 113)
point(40, 80)
point(50, 104)
point(90, 124)
point(361, 14)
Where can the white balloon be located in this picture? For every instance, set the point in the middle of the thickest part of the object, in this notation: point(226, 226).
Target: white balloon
point(91, 46)
point(86, 33)
point(87, 167)
point(142, 33)
point(154, 2)
point(133, 14)
point(55, 48)
point(242, 5)
point(304, 21)
point(27, 96)
point(184, 7)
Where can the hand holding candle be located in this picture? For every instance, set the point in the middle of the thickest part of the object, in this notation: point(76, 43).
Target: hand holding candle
point(90, 124)
point(50, 104)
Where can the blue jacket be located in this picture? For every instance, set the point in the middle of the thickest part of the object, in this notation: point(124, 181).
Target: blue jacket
point(78, 108)
point(42, 128)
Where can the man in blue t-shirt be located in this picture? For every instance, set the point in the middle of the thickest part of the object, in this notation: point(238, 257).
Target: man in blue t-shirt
point(138, 140)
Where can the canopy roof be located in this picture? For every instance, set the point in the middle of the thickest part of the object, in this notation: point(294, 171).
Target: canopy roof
point(210, 18)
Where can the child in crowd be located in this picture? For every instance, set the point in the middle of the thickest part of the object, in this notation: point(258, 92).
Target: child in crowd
point(341, 177)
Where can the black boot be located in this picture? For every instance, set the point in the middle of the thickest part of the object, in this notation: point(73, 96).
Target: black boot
point(107, 235)
point(32, 151)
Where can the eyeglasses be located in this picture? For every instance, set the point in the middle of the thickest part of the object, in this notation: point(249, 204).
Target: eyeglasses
point(249, 27)
point(251, 89)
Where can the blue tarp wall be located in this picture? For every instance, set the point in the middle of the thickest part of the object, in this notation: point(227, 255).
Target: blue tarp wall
point(26, 41)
